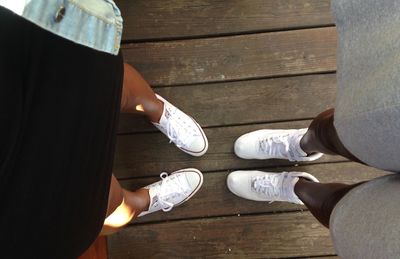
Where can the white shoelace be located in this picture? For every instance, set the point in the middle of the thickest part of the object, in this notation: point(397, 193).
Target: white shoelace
point(276, 145)
point(169, 189)
point(267, 185)
point(177, 132)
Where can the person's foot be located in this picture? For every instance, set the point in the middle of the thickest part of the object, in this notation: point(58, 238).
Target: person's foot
point(173, 190)
point(279, 144)
point(182, 129)
point(264, 186)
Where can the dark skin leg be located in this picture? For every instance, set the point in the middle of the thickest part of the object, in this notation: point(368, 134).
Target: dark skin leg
point(322, 137)
point(311, 142)
point(321, 198)
point(124, 203)
point(137, 97)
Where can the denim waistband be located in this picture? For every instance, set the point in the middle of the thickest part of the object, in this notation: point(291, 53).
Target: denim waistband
point(94, 23)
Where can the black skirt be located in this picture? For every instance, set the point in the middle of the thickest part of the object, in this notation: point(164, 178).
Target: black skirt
point(59, 107)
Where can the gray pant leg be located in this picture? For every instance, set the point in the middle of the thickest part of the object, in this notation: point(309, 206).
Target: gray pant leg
point(367, 112)
point(365, 223)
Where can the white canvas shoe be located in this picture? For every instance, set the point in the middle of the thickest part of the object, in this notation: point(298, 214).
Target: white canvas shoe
point(264, 186)
point(173, 190)
point(182, 129)
point(268, 144)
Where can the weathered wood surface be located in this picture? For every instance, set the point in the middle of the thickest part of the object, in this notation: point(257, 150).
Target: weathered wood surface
point(160, 19)
point(245, 102)
point(214, 198)
point(263, 236)
point(234, 58)
point(270, 76)
point(149, 154)
point(326, 257)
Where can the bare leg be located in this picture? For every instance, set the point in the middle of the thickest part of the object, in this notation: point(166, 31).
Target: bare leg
point(123, 207)
point(138, 97)
point(321, 198)
point(322, 137)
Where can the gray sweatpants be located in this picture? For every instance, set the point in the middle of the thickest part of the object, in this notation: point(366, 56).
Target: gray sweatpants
point(366, 222)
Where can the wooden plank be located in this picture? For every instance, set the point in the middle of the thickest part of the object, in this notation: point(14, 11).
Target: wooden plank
point(244, 102)
point(234, 58)
point(327, 257)
point(160, 19)
point(149, 154)
point(214, 199)
point(264, 236)
point(98, 250)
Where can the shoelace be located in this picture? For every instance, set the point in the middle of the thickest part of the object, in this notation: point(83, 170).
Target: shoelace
point(176, 132)
point(267, 185)
point(267, 145)
point(166, 191)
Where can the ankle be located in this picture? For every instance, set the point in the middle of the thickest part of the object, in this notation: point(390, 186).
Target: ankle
point(156, 112)
point(305, 144)
point(139, 200)
point(303, 186)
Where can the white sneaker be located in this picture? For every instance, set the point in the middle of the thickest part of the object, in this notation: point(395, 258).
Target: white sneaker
point(182, 129)
point(267, 144)
point(173, 190)
point(263, 186)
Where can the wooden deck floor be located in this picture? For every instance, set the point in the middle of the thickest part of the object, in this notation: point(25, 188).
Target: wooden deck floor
point(236, 66)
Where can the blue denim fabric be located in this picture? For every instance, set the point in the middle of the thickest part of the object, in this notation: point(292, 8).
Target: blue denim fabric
point(94, 23)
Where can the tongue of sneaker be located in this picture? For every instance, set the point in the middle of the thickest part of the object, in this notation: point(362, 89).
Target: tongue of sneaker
point(290, 194)
point(163, 123)
point(295, 151)
point(169, 191)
